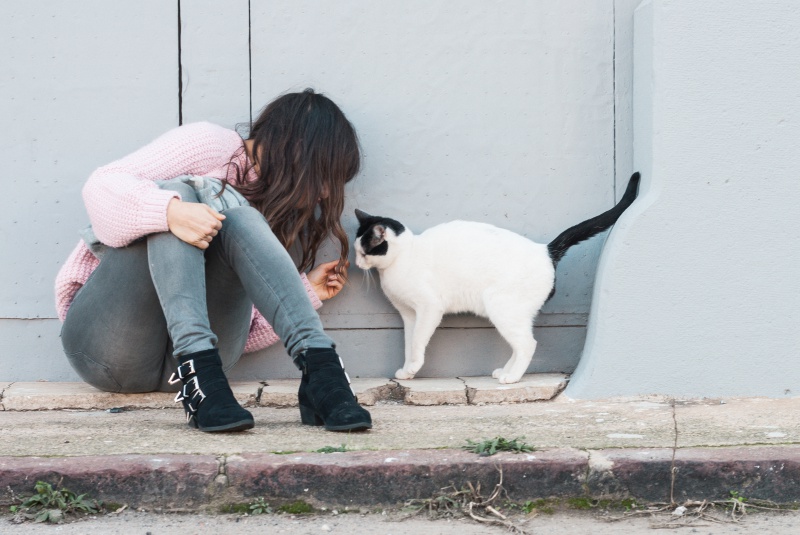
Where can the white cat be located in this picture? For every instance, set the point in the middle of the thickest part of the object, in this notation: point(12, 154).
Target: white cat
point(464, 266)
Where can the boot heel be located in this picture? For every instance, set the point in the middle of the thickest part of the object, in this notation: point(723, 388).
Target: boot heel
point(309, 417)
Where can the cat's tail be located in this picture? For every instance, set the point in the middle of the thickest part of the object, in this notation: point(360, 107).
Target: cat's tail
point(583, 231)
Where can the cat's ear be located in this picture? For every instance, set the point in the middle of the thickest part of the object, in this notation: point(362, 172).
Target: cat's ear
point(362, 216)
point(378, 236)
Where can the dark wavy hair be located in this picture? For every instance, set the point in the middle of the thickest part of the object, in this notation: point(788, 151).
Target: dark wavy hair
point(305, 151)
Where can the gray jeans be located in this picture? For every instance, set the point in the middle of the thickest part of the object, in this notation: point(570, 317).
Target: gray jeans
point(160, 298)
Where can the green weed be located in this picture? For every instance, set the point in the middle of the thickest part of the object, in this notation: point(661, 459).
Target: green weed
point(260, 507)
point(489, 447)
point(332, 449)
point(51, 505)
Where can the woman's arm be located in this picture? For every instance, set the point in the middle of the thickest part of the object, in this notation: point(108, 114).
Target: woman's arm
point(122, 199)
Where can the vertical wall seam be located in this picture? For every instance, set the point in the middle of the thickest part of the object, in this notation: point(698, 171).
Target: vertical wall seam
point(180, 70)
point(614, 91)
point(250, 61)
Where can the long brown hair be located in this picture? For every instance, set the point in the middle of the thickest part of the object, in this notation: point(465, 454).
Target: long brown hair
point(305, 151)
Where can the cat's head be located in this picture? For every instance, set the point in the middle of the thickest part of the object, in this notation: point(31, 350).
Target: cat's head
point(378, 240)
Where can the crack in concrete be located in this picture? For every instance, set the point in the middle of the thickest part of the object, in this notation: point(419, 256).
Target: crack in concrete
point(673, 469)
point(397, 392)
point(222, 472)
point(468, 392)
point(261, 388)
point(588, 474)
point(2, 394)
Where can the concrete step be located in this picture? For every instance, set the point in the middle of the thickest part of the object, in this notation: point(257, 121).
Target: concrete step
point(33, 396)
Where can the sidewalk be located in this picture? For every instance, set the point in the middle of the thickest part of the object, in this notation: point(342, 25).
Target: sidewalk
point(136, 449)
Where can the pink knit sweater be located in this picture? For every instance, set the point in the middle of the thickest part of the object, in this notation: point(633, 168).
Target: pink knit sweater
point(125, 204)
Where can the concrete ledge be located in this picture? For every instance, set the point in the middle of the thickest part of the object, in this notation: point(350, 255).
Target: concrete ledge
point(433, 391)
point(36, 396)
point(532, 387)
point(392, 477)
point(388, 477)
point(169, 481)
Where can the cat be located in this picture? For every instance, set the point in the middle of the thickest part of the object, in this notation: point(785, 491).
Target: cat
point(464, 266)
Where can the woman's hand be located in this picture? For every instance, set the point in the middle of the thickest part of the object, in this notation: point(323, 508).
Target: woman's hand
point(326, 280)
point(194, 223)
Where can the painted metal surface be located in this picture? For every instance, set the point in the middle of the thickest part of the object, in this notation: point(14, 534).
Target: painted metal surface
point(699, 285)
point(499, 113)
point(467, 111)
point(83, 83)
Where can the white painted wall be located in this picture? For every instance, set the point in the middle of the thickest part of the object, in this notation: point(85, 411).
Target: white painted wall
point(83, 83)
point(471, 110)
point(496, 112)
point(523, 114)
point(697, 289)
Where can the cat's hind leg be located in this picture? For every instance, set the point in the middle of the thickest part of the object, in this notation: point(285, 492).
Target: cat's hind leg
point(515, 324)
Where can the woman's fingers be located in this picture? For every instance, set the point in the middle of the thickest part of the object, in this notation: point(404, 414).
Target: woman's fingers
point(196, 224)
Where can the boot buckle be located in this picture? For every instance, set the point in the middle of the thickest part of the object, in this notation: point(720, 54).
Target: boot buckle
point(196, 392)
point(184, 370)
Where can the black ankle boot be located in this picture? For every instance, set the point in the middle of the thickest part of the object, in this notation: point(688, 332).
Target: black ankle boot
point(207, 398)
point(325, 396)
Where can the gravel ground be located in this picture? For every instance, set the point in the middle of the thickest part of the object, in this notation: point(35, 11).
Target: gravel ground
point(395, 523)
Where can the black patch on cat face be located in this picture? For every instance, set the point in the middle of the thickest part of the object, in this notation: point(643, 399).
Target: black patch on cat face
point(379, 250)
point(373, 241)
point(372, 230)
point(365, 221)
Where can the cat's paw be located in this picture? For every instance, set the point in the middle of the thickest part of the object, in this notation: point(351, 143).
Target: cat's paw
point(497, 373)
point(508, 379)
point(403, 374)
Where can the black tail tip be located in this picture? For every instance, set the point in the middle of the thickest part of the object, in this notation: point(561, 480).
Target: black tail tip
point(633, 184)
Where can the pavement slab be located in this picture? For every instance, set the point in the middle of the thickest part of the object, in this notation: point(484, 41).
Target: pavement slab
point(396, 426)
point(652, 448)
point(737, 421)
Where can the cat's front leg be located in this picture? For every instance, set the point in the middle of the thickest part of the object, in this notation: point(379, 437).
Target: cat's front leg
point(424, 327)
point(409, 319)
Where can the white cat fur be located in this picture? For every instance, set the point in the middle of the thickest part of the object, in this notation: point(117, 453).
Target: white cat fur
point(471, 267)
point(464, 266)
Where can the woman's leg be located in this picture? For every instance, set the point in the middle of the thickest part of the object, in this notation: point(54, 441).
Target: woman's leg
point(270, 279)
point(178, 271)
point(115, 335)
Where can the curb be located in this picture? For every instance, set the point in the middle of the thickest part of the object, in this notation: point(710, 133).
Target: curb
point(369, 478)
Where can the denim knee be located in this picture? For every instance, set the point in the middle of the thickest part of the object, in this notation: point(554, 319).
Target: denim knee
point(187, 192)
point(244, 217)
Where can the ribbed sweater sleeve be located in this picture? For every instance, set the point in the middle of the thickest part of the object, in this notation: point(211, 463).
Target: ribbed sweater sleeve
point(121, 198)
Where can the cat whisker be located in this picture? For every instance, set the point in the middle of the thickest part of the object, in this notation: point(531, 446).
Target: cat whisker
point(367, 280)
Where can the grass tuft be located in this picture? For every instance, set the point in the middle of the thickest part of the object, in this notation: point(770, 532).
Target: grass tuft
point(488, 447)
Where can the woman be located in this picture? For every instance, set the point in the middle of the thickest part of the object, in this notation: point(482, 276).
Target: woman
point(166, 290)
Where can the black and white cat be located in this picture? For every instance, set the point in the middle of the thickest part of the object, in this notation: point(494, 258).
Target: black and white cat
point(464, 266)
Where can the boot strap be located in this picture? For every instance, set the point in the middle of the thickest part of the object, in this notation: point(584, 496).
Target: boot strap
point(184, 371)
point(190, 392)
